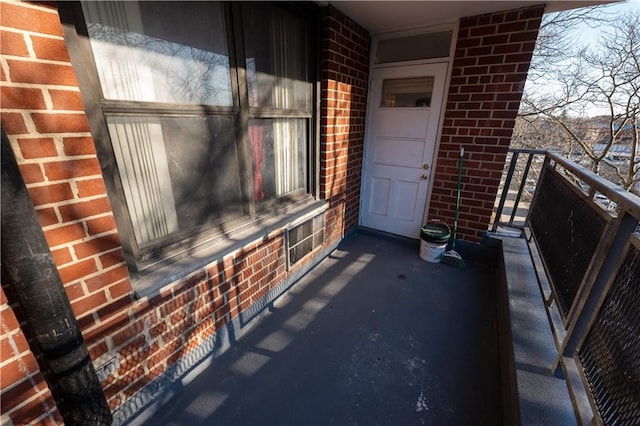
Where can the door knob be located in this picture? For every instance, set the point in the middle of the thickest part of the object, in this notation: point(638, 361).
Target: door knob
point(423, 177)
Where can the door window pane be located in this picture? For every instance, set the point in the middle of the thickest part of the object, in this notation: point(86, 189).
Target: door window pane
point(277, 59)
point(407, 92)
point(177, 173)
point(160, 51)
point(279, 157)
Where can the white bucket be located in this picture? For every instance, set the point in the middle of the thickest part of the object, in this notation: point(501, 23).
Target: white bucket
point(432, 252)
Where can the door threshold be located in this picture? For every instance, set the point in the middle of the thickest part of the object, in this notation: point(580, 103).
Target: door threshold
point(386, 235)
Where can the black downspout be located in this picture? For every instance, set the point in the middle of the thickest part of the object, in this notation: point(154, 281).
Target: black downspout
point(31, 278)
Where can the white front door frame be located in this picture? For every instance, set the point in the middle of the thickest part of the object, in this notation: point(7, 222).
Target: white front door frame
point(403, 179)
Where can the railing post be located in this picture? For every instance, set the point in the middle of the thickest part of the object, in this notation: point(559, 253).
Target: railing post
point(523, 182)
point(543, 169)
point(505, 189)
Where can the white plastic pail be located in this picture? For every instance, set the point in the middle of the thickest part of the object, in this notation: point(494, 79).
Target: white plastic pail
point(434, 237)
point(432, 252)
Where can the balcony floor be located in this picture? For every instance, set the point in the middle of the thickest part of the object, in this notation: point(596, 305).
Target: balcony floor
point(373, 335)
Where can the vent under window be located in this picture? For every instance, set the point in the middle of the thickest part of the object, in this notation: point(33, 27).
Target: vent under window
point(304, 238)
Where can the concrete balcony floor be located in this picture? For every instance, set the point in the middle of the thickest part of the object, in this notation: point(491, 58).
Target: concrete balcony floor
point(373, 335)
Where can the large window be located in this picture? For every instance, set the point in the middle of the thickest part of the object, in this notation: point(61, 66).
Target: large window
point(207, 108)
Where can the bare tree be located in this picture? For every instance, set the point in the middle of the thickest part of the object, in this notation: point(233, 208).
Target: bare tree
point(556, 40)
point(615, 86)
point(603, 77)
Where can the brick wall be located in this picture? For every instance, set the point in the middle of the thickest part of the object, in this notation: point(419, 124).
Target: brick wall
point(155, 333)
point(154, 339)
point(44, 119)
point(492, 58)
point(345, 73)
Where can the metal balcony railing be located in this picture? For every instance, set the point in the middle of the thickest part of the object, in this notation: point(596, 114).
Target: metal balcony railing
point(522, 170)
point(582, 231)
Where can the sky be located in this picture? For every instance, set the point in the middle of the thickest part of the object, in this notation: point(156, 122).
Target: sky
point(588, 34)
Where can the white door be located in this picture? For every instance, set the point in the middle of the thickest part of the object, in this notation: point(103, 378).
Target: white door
point(404, 112)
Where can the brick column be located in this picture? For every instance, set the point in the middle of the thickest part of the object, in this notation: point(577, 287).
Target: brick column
point(492, 57)
point(344, 74)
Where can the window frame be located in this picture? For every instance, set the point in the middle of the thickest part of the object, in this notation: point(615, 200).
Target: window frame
point(261, 112)
point(171, 248)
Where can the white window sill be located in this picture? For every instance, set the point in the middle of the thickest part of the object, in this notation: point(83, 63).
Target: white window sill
point(149, 282)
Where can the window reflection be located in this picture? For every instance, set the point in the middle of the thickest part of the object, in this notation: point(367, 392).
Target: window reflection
point(177, 173)
point(276, 61)
point(279, 157)
point(145, 51)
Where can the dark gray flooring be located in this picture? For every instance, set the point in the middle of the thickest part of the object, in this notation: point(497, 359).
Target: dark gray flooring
point(374, 335)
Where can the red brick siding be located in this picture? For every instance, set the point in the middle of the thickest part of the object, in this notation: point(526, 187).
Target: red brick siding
point(152, 334)
point(490, 67)
point(345, 73)
point(44, 119)
point(24, 395)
